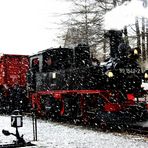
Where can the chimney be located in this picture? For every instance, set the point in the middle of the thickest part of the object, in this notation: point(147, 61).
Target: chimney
point(115, 38)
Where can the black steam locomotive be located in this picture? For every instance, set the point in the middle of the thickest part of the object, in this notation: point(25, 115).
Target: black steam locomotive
point(68, 82)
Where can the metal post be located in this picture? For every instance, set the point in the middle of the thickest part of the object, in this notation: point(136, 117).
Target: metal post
point(17, 133)
point(34, 122)
point(35, 128)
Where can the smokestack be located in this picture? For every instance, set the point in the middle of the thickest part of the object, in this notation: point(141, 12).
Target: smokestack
point(115, 38)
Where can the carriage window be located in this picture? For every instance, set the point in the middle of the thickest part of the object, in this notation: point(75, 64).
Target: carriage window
point(57, 59)
point(48, 64)
point(35, 65)
point(48, 61)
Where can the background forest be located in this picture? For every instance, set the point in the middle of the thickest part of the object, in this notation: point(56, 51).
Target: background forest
point(86, 24)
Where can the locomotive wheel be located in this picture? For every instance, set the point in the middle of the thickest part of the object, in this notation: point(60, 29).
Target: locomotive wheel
point(54, 113)
point(51, 107)
point(103, 125)
point(85, 119)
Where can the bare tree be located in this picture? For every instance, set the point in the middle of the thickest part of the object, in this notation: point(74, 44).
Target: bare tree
point(147, 38)
point(85, 24)
point(143, 40)
point(137, 33)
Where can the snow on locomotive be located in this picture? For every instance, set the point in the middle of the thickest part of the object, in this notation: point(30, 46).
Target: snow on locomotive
point(13, 69)
point(68, 82)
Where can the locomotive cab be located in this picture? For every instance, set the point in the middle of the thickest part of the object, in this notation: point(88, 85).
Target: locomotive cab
point(45, 66)
point(62, 68)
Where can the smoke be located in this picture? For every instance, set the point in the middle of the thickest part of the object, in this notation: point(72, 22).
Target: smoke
point(125, 14)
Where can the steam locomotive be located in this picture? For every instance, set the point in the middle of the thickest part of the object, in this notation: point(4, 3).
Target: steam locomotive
point(65, 82)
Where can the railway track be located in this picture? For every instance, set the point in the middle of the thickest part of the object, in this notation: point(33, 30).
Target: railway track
point(120, 129)
point(139, 129)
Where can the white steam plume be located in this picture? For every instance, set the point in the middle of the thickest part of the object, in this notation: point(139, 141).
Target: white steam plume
point(125, 14)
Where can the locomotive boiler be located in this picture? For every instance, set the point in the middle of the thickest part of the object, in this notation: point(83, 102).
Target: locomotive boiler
point(70, 83)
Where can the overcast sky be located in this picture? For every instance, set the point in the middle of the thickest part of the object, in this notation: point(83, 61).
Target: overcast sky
point(27, 26)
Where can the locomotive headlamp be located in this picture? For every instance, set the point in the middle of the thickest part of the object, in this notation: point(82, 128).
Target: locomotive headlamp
point(110, 74)
point(146, 75)
point(135, 51)
point(54, 75)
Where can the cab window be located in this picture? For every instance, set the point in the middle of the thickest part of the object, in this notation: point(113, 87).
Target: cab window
point(35, 65)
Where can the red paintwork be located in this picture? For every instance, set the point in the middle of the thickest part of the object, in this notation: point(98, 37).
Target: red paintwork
point(105, 94)
point(112, 107)
point(36, 102)
point(70, 91)
point(13, 69)
point(62, 110)
point(131, 97)
point(57, 94)
point(130, 101)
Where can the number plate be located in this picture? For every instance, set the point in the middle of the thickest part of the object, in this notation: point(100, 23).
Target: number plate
point(129, 71)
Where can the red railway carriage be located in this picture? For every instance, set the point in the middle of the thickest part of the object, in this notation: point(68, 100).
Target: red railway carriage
point(13, 69)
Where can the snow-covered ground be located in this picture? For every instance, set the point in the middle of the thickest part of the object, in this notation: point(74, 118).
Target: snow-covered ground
point(56, 135)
